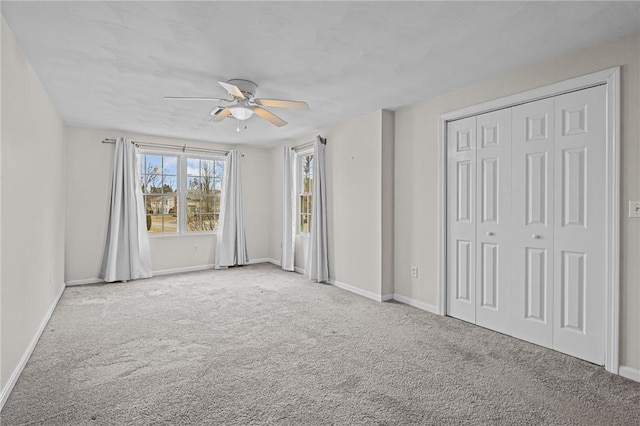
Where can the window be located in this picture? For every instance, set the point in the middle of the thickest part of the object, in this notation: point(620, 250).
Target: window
point(159, 175)
point(204, 189)
point(305, 191)
point(181, 192)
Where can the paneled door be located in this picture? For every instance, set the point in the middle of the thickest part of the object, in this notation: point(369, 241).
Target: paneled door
point(461, 223)
point(579, 224)
point(526, 223)
point(532, 230)
point(493, 217)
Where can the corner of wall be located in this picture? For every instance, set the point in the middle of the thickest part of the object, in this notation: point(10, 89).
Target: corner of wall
point(275, 208)
point(387, 208)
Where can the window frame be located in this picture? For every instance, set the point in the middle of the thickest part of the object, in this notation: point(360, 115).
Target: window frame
point(182, 190)
point(186, 191)
point(299, 188)
point(177, 193)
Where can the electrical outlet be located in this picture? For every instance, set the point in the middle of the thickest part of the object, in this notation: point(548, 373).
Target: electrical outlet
point(195, 247)
point(414, 271)
point(634, 208)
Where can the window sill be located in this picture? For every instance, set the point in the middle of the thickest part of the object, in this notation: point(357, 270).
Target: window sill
point(184, 234)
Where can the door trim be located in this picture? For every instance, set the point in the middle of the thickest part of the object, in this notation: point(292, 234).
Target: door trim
point(609, 77)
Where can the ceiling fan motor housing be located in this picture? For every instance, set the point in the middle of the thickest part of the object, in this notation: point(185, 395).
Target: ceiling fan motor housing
point(247, 87)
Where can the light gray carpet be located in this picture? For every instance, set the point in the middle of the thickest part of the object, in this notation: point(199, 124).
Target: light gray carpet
point(255, 345)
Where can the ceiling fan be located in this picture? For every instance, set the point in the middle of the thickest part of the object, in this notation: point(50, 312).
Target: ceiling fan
point(245, 104)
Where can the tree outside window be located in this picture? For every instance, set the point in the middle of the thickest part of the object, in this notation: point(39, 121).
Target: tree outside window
point(305, 191)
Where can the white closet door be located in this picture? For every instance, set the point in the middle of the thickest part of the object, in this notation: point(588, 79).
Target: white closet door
point(532, 230)
point(493, 189)
point(461, 223)
point(580, 238)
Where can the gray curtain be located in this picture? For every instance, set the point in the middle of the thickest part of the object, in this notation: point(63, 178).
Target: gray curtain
point(231, 247)
point(317, 266)
point(126, 254)
point(288, 209)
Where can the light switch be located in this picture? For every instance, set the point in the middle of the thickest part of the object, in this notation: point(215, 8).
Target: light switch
point(634, 208)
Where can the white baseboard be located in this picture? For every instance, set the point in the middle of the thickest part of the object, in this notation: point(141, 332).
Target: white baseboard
point(629, 373)
point(264, 260)
point(416, 303)
point(84, 282)
point(154, 273)
point(4, 394)
point(185, 269)
point(386, 297)
point(274, 261)
point(172, 271)
point(356, 290)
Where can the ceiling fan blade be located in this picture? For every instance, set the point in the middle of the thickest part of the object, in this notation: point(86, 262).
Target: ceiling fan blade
point(281, 103)
point(196, 98)
point(269, 116)
point(232, 89)
point(220, 115)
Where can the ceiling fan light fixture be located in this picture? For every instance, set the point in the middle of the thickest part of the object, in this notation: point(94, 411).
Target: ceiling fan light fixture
point(240, 112)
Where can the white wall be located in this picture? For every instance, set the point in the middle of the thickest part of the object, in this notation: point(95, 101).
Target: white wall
point(416, 173)
point(32, 199)
point(88, 185)
point(354, 168)
point(2, 379)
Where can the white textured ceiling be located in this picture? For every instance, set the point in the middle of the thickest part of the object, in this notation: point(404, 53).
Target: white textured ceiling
point(108, 64)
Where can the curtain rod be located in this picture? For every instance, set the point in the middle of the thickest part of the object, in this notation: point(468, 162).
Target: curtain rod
point(323, 141)
point(182, 148)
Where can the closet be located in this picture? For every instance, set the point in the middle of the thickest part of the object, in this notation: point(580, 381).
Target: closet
point(526, 225)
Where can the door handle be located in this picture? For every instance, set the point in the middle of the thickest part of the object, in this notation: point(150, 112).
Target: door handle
point(536, 236)
point(490, 234)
